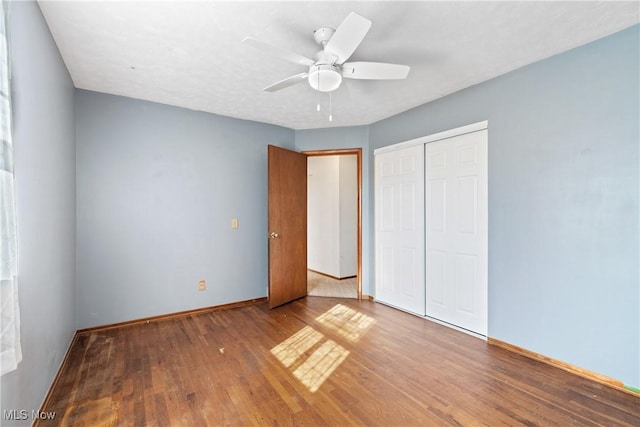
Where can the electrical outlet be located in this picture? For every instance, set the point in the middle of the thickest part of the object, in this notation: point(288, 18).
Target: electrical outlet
point(234, 223)
point(202, 285)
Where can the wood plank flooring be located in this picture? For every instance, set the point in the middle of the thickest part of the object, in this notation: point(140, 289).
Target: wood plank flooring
point(318, 361)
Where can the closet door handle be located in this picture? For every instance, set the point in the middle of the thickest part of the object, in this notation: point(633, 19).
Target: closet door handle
point(273, 235)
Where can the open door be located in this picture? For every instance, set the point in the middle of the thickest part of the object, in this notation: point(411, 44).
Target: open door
point(287, 226)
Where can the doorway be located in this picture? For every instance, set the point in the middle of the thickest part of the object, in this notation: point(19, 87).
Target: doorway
point(334, 217)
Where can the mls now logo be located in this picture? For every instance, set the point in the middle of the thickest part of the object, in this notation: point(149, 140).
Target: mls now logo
point(23, 414)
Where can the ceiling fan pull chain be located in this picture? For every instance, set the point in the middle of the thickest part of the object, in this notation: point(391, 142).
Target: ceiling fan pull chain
point(318, 107)
point(330, 108)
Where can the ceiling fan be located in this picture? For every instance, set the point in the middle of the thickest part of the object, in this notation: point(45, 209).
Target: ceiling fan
point(329, 66)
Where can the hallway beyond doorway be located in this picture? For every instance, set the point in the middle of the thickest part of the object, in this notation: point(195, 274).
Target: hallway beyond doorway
point(320, 285)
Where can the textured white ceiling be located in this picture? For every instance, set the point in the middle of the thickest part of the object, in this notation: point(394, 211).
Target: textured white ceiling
point(189, 54)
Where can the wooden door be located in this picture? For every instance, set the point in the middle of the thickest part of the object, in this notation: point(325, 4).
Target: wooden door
point(287, 226)
point(457, 228)
point(399, 256)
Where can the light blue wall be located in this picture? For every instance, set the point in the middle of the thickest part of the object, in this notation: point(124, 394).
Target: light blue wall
point(157, 189)
point(341, 138)
point(45, 186)
point(563, 200)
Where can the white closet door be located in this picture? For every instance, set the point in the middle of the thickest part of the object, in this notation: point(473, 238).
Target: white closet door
point(457, 227)
point(399, 190)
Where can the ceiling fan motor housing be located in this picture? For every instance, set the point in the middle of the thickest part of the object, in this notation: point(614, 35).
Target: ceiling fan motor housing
point(322, 35)
point(324, 77)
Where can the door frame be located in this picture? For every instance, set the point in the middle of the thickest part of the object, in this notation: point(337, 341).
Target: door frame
point(358, 153)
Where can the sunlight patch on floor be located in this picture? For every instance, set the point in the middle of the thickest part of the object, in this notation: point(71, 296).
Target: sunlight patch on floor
point(288, 351)
point(326, 355)
point(320, 365)
point(347, 322)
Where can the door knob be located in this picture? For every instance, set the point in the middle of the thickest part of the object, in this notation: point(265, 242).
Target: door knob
point(273, 235)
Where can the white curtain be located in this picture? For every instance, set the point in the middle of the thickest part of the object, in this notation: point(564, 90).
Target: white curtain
point(10, 351)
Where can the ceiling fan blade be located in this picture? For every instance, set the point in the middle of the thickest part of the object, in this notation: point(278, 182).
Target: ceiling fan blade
point(289, 81)
point(374, 71)
point(348, 37)
point(277, 51)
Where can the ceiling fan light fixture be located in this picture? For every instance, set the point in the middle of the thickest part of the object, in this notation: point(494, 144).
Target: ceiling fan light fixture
point(324, 78)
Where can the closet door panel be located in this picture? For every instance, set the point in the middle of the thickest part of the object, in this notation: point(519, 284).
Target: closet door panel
point(457, 228)
point(399, 222)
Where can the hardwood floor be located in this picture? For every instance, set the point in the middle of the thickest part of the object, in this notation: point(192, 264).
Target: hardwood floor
point(317, 361)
